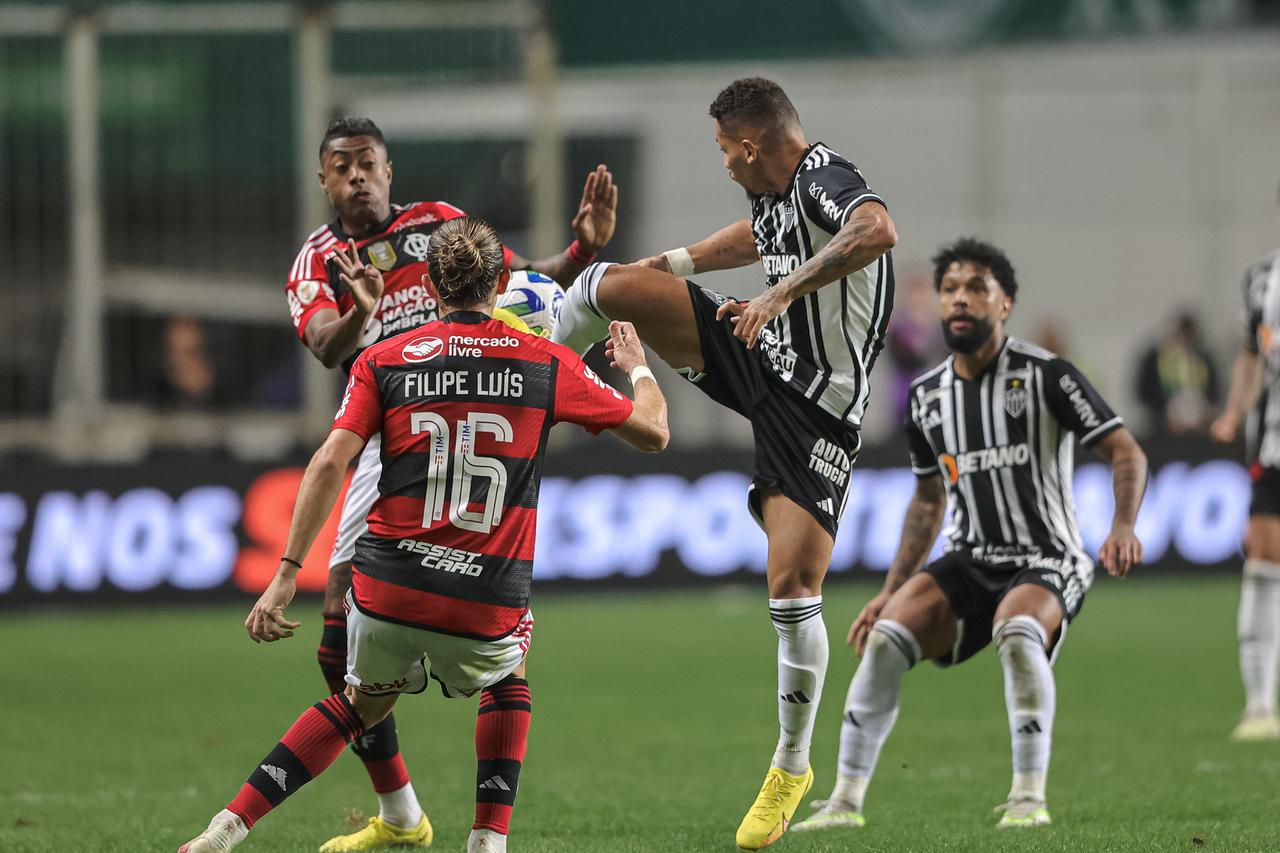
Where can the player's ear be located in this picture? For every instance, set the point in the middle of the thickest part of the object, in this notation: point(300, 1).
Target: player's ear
point(388, 171)
point(750, 150)
point(504, 278)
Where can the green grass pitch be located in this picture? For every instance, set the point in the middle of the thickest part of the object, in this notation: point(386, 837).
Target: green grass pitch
point(654, 719)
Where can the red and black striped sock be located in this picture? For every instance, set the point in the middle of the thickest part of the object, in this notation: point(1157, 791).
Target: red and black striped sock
point(379, 747)
point(311, 744)
point(502, 732)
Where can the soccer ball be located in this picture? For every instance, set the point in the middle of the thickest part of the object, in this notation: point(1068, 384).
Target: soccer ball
point(534, 298)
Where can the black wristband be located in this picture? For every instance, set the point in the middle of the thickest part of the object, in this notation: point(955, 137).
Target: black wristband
point(290, 560)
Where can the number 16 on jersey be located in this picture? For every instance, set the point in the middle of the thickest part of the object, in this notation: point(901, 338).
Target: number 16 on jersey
point(466, 465)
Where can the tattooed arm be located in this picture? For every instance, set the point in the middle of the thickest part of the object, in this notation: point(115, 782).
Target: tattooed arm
point(919, 531)
point(868, 234)
point(1122, 550)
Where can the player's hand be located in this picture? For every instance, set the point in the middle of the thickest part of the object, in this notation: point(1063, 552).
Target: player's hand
point(861, 626)
point(1224, 427)
point(749, 318)
point(365, 280)
point(623, 347)
point(1121, 552)
point(597, 212)
point(266, 622)
point(657, 262)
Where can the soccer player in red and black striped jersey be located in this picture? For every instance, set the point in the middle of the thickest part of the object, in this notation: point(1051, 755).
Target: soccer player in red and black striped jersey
point(337, 313)
point(442, 577)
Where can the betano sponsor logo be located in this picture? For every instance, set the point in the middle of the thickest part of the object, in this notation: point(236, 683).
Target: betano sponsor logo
point(977, 461)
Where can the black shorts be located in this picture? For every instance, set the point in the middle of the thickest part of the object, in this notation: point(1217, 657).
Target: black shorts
point(976, 587)
point(1265, 497)
point(801, 450)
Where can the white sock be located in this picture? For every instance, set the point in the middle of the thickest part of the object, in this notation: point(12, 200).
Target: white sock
point(486, 841)
point(1030, 697)
point(1259, 633)
point(581, 322)
point(400, 807)
point(871, 707)
point(802, 667)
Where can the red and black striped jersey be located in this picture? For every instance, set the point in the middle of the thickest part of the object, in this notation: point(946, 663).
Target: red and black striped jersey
point(398, 247)
point(463, 405)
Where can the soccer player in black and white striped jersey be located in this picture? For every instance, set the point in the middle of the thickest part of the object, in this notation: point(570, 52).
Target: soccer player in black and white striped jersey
point(992, 430)
point(1255, 395)
point(794, 361)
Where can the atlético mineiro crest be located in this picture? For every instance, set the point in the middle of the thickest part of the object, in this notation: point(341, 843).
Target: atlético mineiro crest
point(1015, 399)
point(422, 349)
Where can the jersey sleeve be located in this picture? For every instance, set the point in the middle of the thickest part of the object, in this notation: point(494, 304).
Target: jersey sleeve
point(583, 398)
point(361, 409)
point(920, 453)
point(308, 290)
point(830, 193)
point(1076, 403)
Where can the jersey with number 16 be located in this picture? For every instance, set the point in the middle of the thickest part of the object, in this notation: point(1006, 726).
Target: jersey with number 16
point(464, 405)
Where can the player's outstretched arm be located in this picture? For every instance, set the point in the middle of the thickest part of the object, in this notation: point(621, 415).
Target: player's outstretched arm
point(316, 495)
point(920, 529)
point(646, 428)
point(332, 337)
point(868, 234)
point(1122, 550)
point(1246, 384)
point(593, 227)
point(729, 248)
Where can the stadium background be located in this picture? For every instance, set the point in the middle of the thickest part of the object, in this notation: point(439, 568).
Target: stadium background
point(157, 176)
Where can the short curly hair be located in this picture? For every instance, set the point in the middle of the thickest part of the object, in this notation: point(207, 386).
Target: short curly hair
point(754, 101)
point(344, 127)
point(976, 251)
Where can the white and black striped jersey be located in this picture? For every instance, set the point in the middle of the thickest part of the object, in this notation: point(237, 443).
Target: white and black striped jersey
point(1262, 336)
point(826, 343)
point(1004, 444)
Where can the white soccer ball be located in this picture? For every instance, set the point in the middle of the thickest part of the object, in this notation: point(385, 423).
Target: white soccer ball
point(534, 298)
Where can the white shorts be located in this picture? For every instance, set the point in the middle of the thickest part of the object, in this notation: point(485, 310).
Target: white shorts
point(363, 491)
point(385, 657)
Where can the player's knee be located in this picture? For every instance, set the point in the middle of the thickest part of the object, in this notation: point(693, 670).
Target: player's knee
point(339, 581)
point(1021, 642)
point(890, 638)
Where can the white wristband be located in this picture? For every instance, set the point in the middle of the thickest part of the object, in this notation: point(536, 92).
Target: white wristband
point(680, 260)
point(640, 371)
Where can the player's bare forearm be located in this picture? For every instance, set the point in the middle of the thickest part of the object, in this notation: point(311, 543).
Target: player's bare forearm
point(729, 248)
point(867, 235)
point(919, 530)
point(650, 413)
point(319, 490)
point(331, 337)
point(560, 268)
point(1128, 475)
point(1246, 383)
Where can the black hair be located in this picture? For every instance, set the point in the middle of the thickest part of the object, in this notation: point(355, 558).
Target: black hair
point(347, 126)
point(756, 102)
point(465, 259)
point(975, 251)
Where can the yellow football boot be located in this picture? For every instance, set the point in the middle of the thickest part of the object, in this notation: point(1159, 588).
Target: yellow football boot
point(379, 835)
point(1264, 727)
point(771, 813)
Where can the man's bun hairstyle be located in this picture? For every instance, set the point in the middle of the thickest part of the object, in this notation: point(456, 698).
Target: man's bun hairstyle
point(464, 257)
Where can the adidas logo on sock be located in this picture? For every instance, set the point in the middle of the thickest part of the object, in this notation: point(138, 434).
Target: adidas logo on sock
point(277, 775)
point(1031, 728)
point(797, 698)
point(494, 783)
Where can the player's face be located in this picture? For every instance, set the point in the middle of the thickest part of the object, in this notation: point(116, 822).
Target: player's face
point(356, 175)
point(741, 158)
point(974, 306)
